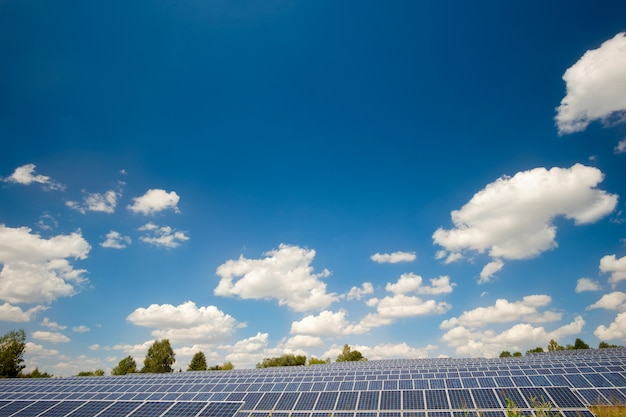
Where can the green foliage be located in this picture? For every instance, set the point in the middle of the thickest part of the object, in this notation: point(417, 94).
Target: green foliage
point(538, 349)
point(604, 345)
point(579, 344)
point(227, 366)
point(349, 355)
point(12, 347)
point(517, 354)
point(36, 373)
point(97, 372)
point(288, 359)
point(160, 358)
point(125, 366)
point(316, 361)
point(554, 346)
point(198, 362)
point(505, 354)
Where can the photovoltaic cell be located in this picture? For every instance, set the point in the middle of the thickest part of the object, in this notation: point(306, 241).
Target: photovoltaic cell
point(327, 400)
point(436, 400)
point(485, 398)
point(368, 400)
point(184, 409)
point(564, 397)
point(151, 408)
point(91, 408)
point(347, 400)
point(390, 400)
point(461, 399)
point(35, 408)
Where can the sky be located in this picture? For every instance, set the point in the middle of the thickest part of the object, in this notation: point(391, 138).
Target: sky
point(249, 179)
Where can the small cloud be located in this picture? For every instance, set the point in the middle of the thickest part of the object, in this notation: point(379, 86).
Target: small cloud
point(163, 236)
point(621, 147)
point(80, 329)
point(489, 270)
point(94, 347)
point(587, 284)
point(25, 175)
point(357, 293)
point(46, 322)
point(51, 337)
point(13, 313)
point(612, 301)
point(104, 203)
point(47, 222)
point(394, 257)
point(115, 240)
point(154, 201)
point(616, 267)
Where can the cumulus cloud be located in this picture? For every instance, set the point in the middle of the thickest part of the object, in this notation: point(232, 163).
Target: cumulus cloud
point(400, 306)
point(612, 301)
point(154, 201)
point(163, 236)
point(46, 322)
point(520, 337)
point(615, 331)
point(616, 267)
point(36, 269)
point(326, 323)
point(620, 147)
point(486, 274)
point(384, 351)
point(284, 274)
point(513, 217)
point(33, 349)
point(116, 240)
point(104, 203)
point(185, 322)
point(596, 87)
point(52, 337)
point(393, 258)
point(587, 284)
point(80, 329)
point(357, 293)
point(13, 313)
point(504, 311)
point(411, 282)
point(25, 175)
point(248, 352)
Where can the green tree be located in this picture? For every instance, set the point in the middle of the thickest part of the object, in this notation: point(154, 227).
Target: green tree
point(97, 372)
point(505, 354)
point(517, 354)
point(316, 361)
point(288, 359)
point(554, 346)
point(604, 345)
point(160, 358)
point(349, 355)
point(125, 366)
point(538, 349)
point(12, 347)
point(36, 373)
point(198, 362)
point(579, 344)
point(228, 366)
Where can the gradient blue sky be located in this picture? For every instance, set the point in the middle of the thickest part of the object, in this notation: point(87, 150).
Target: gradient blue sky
point(414, 178)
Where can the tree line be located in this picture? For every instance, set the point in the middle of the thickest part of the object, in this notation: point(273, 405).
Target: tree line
point(553, 345)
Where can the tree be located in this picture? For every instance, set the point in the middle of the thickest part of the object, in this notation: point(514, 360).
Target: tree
point(198, 362)
point(125, 366)
point(160, 358)
point(604, 345)
point(12, 347)
point(349, 355)
point(517, 354)
point(506, 354)
point(579, 344)
point(97, 372)
point(554, 346)
point(36, 373)
point(316, 361)
point(228, 366)
point(288, 359)
point(538, 349)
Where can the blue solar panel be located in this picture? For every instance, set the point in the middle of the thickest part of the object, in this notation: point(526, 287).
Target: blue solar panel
point(436, 400)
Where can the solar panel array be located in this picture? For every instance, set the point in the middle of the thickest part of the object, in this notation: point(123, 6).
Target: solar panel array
point(566, 382)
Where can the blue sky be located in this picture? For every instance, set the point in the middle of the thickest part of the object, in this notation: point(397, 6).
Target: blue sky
point(250, 179)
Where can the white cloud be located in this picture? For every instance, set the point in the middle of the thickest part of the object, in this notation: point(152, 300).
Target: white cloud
point(384, 351)
point(411, 282)
point(104, 203)
point(154, 201)
point(612, 301)
point(284, 274)
point(596, 87)
point(163, 236)
point(52, 325)
point(616, 267)
point(13, 313)
point(615, 331)
point(393, 258)
point(357, 293)
point(504, 311)
point(301, 341)
point(25, 175)
point(35, 269)
point(80, 329)
point(620, 147)
point(33, 349)
point(326, 323)
point(52, 337)
point(520, 337)
point(116, 240)
point(185, 322)
point(248, 352)
point(400, 306)
point(512, 218)
point(489, 270)
point(587, 284)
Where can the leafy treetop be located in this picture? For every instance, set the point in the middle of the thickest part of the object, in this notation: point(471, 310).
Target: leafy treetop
point(349, 355)
point(160, 358)
point(12, 347)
